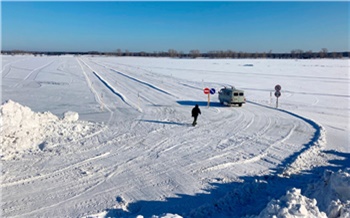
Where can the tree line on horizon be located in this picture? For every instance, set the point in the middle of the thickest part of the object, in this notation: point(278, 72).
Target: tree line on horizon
point(294, 54)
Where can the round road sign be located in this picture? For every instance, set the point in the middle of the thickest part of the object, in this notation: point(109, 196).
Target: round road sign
point(212, 91)
point(277, 94)
point(206, 91)
point(278, 88)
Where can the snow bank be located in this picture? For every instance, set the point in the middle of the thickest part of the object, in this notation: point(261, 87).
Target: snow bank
point(333, 193)
point(312, 156)
point(25, 131)
point(327, 197)
point(291, 205)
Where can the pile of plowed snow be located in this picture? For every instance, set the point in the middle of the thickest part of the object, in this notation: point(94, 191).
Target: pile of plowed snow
point(24, 131)
point(293, 204)
point(332, 192)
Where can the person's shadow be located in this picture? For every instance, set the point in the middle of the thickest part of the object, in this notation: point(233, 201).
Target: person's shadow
point(165, 122)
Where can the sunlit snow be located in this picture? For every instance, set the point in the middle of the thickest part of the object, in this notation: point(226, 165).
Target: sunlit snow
point(86, 136)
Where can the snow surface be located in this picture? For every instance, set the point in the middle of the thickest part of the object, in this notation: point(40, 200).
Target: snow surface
point(24, 131)
point(86, 136)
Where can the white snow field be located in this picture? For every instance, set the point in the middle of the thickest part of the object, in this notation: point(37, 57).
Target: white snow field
point(94, 136)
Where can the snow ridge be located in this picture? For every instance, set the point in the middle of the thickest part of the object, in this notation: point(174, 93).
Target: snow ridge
point(89, 83)
point(25, 131)
point(142, 82)
point(137, 80)
point(311, 155)
point(112, 89)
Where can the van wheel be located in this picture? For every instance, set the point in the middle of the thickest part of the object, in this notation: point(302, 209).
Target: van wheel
point(221, 102)
point(240, 105)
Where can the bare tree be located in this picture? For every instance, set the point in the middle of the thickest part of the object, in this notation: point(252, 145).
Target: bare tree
point(296, 53)
point(269, 54)
point(119, 52)
point(195, 53)
point(323, 53)
point(173, 53)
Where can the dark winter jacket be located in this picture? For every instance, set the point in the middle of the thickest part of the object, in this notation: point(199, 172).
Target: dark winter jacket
point(196, 111)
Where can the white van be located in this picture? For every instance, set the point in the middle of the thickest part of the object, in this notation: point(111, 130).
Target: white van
point(231, 96)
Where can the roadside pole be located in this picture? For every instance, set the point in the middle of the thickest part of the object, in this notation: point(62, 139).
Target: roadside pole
point(209, 92)
point(208, 99)
point(277, 93)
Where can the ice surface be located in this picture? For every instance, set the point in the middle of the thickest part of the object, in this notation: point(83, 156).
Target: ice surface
point(112, 137)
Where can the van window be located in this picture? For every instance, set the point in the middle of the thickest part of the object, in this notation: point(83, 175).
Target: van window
point(235, 94)
point(241, 94)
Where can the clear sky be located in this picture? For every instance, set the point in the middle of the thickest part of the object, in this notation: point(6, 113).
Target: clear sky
point(183, 26)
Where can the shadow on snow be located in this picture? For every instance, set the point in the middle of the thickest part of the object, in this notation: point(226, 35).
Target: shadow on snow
point(235, 199)
point(165, 122)
point(201, 103)
point(249, 196)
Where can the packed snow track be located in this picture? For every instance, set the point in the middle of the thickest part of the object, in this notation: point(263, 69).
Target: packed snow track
point(144, 148)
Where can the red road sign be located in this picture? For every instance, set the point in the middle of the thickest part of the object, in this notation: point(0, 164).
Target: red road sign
point(206, 91)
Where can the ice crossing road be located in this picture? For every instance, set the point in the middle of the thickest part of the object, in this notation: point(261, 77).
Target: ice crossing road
point(148, 150)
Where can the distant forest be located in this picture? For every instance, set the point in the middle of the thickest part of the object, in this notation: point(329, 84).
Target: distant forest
point(294, 54)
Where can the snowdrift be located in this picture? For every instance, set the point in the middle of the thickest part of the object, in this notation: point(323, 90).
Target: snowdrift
point(293, 204)
point(332, 192)
point(25, 131)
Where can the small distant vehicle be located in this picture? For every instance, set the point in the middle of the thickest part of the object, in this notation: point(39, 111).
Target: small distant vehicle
point(231, 96)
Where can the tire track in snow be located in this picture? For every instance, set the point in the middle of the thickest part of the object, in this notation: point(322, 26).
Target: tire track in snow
point(142, 82)
point(93, 90)
point(91, 188)
point(111, 88)
point(258, 157)
point(42, 176)
point(4, 66)
point(111, 171)
point(36, 71)
point(268, 153)
point(311, 153)
point(241, 129)
point(79, 163)
point(137, 80)
point(255, 158)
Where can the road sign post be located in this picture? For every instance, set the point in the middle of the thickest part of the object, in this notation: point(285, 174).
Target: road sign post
point(208, 100)
point(209, 92)
point(277, 93)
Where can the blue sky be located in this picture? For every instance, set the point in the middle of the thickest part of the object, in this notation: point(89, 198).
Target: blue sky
point(183, 26)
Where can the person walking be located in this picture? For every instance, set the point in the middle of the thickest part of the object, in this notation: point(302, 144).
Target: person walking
point(195, 112)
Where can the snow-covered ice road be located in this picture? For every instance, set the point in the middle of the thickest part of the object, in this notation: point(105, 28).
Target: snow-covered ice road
point(145, 149)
